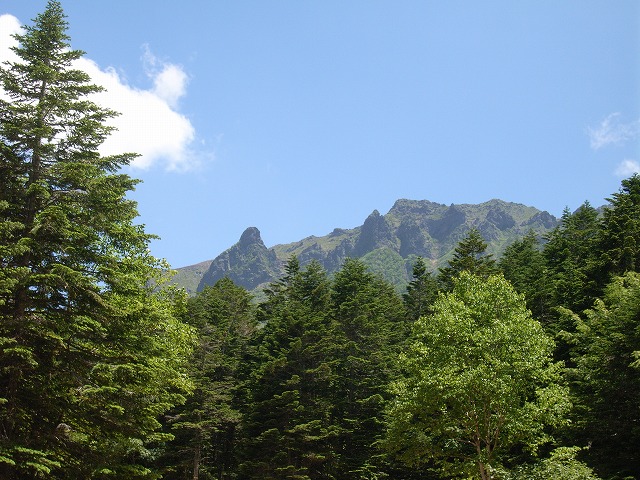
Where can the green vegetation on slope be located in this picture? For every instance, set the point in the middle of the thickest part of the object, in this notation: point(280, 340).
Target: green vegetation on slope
point(411, 229)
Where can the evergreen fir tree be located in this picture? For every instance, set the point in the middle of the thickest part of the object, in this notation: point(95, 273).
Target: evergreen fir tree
point(619, 239)
point(606, 378)
point(287, 431)
point(570, 258)
point(370, 316)
point(469, 256)
point(90, 356)
point(523, 265)
point(421, 291)
point(205, 427)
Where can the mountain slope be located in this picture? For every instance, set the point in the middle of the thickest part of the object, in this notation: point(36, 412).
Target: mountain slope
point(387, 243)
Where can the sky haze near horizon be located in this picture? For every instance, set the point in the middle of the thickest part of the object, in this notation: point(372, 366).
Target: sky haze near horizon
point(300, 117)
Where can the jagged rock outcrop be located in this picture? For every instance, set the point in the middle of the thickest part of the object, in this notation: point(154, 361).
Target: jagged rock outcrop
point(543, 218)
point(248, 263)
point(443, 225)
point(412, 241)
point(500, 218)
point(375, 233)
point(388, 243)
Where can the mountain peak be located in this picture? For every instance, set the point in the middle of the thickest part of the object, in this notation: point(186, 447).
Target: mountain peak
point(387, 243)
point(251, 236)
point(375, 233)
point(248, 263)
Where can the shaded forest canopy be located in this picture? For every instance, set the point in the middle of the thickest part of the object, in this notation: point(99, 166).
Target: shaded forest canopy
point(517, 363)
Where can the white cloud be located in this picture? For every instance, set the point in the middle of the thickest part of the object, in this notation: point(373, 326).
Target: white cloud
point(169, 81)
point(149, 123)
point(612, 131)
point(9, 25)
point(627, 168)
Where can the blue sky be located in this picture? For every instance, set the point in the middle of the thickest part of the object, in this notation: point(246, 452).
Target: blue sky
point(298, 117)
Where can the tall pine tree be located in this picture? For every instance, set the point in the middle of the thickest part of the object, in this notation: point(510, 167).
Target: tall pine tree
point(606, 378)
point(421, 291)
point(205, 427)
point(89, 355)
point(570, 254)
point(619, 239)
point(370, 316)
point(523, 264)
point(287, 432)
point(469, 256)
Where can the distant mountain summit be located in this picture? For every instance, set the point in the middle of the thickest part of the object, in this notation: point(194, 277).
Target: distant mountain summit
point(248, 263)
point(388, 244)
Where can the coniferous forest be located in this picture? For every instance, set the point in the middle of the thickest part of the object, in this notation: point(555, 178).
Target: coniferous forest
point(521, 367)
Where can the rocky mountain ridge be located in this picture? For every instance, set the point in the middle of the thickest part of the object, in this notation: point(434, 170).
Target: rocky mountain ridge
point(388, 244)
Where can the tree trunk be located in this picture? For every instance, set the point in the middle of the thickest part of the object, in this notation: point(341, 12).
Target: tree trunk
point(484, 475)
point(196, 461)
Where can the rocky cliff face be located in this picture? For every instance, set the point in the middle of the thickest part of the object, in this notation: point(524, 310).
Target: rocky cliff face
point(374, 233)
point(388, 243)
point(248, 263)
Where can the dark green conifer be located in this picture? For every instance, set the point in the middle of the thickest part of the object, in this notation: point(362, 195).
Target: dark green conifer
point(606, 379)
point(370, 316)
point(90, 357)
point(288, 431)
point(205, 427)
point(523, 265)
point(469, 256)
point(570, 254)
point(619, 239)
point(421, 291)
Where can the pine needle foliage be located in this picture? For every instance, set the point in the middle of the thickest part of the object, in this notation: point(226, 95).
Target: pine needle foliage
point(90, 356)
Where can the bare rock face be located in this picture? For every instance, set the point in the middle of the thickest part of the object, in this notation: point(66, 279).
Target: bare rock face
point(250, 237)
point(412, 240)
point(375, 233)
point(388, 244)
point(500, 218)
point(543, 218)
point(248, 263)
point(442, 226)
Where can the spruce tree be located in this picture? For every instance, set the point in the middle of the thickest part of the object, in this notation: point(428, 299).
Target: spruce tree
point(287, 432)
point(370, 316)
point(606, 378)
point(421, 291)
point(570, 254)
point(619, 239)
point(469, 256)
point(205, 427)
point(90, 356)
point(523, 265)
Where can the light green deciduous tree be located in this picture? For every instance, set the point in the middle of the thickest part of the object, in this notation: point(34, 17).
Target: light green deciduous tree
point(478, 380)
